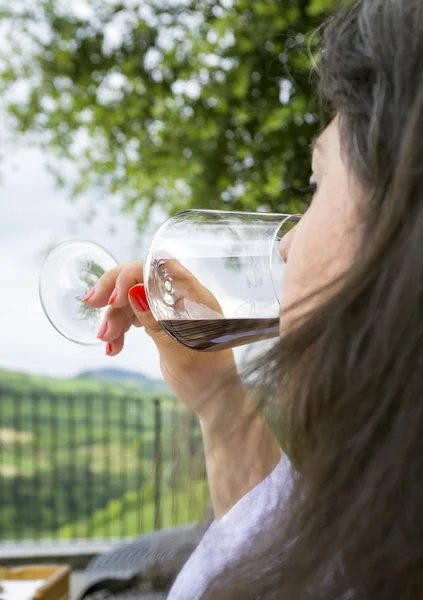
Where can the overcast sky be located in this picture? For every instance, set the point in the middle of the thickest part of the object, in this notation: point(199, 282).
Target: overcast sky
point(33, 215)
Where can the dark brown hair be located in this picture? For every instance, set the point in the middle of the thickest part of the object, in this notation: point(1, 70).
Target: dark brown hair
point(352, 375)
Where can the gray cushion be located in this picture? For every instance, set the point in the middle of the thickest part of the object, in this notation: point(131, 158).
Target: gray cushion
point(143, 569)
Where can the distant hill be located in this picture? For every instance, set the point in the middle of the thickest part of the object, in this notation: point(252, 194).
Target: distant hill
point(119, 375)
point(113, 381)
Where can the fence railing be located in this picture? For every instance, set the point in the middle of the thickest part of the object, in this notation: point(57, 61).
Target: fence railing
point(97, 466)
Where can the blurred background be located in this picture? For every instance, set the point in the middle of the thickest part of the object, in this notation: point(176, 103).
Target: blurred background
point(113, 115)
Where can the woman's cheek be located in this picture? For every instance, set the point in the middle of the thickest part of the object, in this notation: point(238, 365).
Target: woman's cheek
point(310, 263)
point(298, 272)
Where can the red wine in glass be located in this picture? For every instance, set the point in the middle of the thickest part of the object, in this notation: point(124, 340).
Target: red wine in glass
point(210, 335)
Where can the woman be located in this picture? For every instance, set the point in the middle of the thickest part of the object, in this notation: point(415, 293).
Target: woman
point(347, 521)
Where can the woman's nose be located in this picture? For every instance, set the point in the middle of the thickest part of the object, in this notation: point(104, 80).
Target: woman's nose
point(285, 244)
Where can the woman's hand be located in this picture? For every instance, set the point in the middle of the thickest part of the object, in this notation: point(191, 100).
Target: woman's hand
point(194, 377)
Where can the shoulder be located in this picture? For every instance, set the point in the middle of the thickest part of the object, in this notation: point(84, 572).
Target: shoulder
point(244, 531)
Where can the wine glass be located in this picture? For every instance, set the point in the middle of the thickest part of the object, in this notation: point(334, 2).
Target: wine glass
point(70, 270)
point(213, 279)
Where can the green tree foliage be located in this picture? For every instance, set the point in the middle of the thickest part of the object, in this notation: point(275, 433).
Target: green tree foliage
point(44, 503)
point(188, 103)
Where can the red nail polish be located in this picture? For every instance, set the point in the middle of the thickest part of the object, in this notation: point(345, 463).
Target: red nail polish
point(102, 329)
point(113, 296)
point(139, 297)
point(108, 348)
point(88, 295)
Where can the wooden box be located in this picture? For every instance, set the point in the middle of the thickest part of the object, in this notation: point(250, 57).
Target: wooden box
point(55, 585)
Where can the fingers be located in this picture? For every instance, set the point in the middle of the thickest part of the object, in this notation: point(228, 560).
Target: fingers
point(113, 348)
point(116, 322)
point(122, 288)
point(187, 289)
point(126, 279)
point(139, 304)
point(112, 287)
point(119, 320)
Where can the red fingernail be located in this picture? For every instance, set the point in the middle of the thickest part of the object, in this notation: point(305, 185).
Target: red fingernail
point(102, 329)
point(139, 297)
point(108, 348)
point(88, 295)
point(113, 296)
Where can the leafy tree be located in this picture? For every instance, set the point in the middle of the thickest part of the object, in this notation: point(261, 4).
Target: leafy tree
point(179, 103)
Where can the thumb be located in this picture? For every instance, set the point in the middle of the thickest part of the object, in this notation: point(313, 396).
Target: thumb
point(139, 304)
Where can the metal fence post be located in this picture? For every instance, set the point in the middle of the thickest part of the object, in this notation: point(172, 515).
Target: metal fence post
point(157, 463)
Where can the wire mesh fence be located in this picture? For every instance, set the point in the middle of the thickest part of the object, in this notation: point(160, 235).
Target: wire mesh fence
point(97, 466)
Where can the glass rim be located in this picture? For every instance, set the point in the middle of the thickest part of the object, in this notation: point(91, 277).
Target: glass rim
point(296, 217)
point(231, 212)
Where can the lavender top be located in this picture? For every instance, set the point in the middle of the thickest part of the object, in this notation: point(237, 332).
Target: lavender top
point(244, 530)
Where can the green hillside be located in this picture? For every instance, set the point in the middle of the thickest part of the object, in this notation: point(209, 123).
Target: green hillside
point(119, 376)
point(113, 382)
